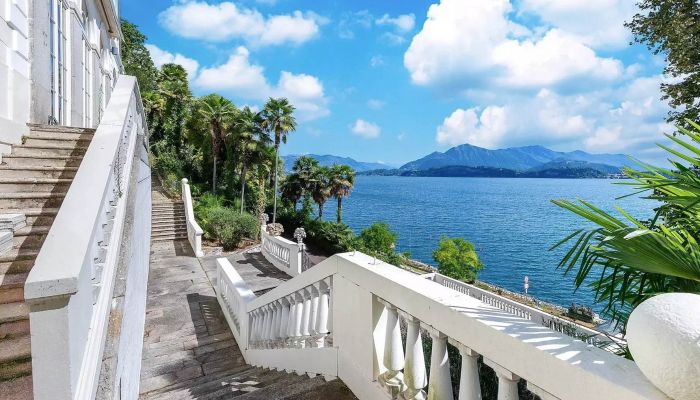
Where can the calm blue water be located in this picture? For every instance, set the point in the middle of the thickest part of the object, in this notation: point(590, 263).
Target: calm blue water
point(511, 222)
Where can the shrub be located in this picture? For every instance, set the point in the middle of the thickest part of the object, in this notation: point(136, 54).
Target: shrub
point(378, 238)
point(457, 259)
point(229, 227)
point(203, 205)
point(329, 237)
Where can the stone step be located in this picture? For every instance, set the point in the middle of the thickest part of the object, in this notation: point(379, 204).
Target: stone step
point(14, 328)
point(19, 255)
point(38, 161)
point(74, 141)
point(11, 312)
point(17, 389)
point(23, 185)
point(168, 209)
point(30, 237)
point(62, 135)
point(168, 230)
point(30, 171)
point(36, 216)
point(12, 287)
point(30, 200)
point(47, 150)
point(166, 223)
point(169, 237)
point(36, 128)
point(16, 369)
point(13, 349)
point(16, 266)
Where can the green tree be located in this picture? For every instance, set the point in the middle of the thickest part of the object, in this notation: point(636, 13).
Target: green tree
point(342, 180)
point(292, 189)
point(176, 96)
point(378, 239)
point(671, 28)
point(320, 188)
point(278, 118)
point(249, 136)
point(218, 113)
point(136, 58)
point(626, 260)
point(457, 259)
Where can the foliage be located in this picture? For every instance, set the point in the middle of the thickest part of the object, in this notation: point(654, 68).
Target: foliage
point(379, 241)
point(341, 182)
point(278, 119)
point(457, 259)
point(670, 27)
point(631, 260)
point(329, 237)
point(219, 113)
point(136, 58)
point(229, 227)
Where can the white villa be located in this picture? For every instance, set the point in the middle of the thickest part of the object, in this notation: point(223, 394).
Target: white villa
point(105, 291)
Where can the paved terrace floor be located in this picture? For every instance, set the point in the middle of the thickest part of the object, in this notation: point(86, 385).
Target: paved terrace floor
point(189, 351)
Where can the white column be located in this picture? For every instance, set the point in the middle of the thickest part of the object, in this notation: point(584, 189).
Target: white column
point(253, 326)
point(277, 314)
point(414, 372)
point(393, 351)
point(322, 316)
point(315, 294)
point(305, 316)
point(439, 383)
point(268, 324)
point(469, 388)
point(290, 320)
point(284, 319)
point(298, 318)
point(507, 381)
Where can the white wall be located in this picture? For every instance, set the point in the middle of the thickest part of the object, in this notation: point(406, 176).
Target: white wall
point(14, 71)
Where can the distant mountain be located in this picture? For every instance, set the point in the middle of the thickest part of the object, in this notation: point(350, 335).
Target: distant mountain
point(555, 169)
point(329, 160)
point(514, 158)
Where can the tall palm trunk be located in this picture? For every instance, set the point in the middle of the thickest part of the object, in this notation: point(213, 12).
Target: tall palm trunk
point(244, 170)
point(339, 211)
point(320, 211)
point(277, 158)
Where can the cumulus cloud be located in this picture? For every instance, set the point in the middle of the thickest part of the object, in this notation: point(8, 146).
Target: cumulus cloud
point(468, 126)
point(160, 57)
point(239, 77)
point(467, 42)
point(366, 129)
point(225, 21)
point(402, 23)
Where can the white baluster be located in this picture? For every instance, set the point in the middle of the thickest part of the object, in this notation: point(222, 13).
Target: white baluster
point(315, 294)
point(507, 381)
point(393, 352)
point(254, 321)
point(298, 318)
point(322, 318)
point(305, 316)
point(258, 325)
point(414, 372)
point(276, 323)
point(290, 321)
point(268, 325)
point(439, 383)
point(469, 388)
point(284, 319)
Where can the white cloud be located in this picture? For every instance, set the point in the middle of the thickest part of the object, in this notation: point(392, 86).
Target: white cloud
point(584, 18)
point(464, 43)
point(366, 129)
point(376, 61)
point(375, 104)
point(240, 78)
point(161, 57)
point(352, 21)
point(225, 21)
point(467, 126)
point(402, 23)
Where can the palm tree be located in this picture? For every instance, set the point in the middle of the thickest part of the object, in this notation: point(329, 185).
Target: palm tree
point(278, 118)
point(320, 188)
point(639, 259)
point(218, 112)
point(292, 189)
point(342, 180)
point(249, 136)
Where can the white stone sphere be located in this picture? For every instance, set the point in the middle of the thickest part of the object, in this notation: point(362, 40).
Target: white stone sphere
point(663, 334)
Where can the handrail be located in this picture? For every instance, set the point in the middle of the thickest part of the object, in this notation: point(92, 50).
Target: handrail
point(194, 231)
point(347, 310)
point(522, 310)
point(69, 289)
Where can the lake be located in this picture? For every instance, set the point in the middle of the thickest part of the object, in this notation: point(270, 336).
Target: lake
point(511, 222)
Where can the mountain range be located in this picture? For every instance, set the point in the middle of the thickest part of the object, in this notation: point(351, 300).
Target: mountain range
point(329, 160)
point(517, 159)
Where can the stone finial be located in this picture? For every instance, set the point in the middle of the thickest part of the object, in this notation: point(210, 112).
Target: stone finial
point(264, 218)
point(300, 235)
point(275, 229)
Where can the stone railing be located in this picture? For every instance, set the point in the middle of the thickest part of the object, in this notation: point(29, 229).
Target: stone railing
point(343, 318)
point(234, 295)
point(523, 311)
point(194, 231)
point(282, 253)
point(103, 222)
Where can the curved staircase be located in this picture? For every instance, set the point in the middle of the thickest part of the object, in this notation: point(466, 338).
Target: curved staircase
point(34, 179)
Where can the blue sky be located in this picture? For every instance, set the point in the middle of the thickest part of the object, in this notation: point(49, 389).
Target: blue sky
point(391, 80)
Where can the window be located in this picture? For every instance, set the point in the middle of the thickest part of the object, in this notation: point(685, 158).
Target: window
point(59, 68)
